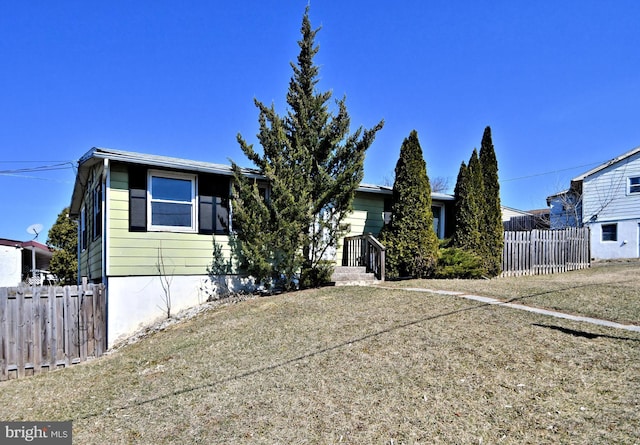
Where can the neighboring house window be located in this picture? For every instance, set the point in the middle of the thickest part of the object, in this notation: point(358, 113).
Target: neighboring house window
point(83, 229)
point(172, 201)
point(609, 232)
point(437, 220)
point(634, 184)
point(97, 211)
point(386, 213)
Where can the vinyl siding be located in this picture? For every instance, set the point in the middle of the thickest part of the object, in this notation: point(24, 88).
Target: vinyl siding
point(137, 253)
point(90, 260)
point(605, 193)
point(367, 216)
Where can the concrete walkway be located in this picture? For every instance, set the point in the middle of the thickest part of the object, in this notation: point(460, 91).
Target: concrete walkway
point(522, 307)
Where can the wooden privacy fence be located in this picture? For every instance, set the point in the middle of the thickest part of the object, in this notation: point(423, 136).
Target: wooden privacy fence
point(540, 252)
point(43, 328)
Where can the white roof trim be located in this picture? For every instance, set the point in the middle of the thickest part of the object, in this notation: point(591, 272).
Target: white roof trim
point(606, 164)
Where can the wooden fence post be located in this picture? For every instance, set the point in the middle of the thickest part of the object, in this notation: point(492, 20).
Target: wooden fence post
point(4, 334)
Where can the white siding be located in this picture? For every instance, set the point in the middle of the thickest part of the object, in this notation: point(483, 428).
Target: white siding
point(606, 200)
point(627, 244)
point(10, 266)
point(605, 193)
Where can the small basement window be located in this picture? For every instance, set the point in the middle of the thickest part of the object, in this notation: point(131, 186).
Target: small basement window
point(609, 232)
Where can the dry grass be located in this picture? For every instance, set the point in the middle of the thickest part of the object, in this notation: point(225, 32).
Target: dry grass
point(608, 290)
point(350, 365)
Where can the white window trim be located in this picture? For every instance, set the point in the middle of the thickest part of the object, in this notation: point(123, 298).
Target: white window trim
point(629, 192)
point(194, 200)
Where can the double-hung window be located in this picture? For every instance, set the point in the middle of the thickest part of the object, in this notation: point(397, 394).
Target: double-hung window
point(172, 201)
point(634, 184)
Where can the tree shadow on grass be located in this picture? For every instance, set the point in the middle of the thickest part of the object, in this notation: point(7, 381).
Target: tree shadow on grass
point(567, 288)
point(583, 334)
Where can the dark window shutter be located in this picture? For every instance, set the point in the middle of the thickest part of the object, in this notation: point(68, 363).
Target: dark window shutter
point(222, 215)
point(205, 214)
point(137, 199)
point(213, 204)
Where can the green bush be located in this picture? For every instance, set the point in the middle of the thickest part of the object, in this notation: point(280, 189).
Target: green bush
point(459, 263)
point(316, 276)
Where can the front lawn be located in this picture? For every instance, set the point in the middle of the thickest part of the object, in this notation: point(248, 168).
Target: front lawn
point(610, 291)
point(350, 365)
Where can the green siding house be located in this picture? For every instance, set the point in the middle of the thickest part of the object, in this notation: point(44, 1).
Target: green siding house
point(145, 221)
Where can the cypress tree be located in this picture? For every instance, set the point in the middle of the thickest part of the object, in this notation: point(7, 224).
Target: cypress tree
point(468, 210)
point(313, 167)
point(493, 233)
point(410, 239)
point(466, 233)
point(476, 194)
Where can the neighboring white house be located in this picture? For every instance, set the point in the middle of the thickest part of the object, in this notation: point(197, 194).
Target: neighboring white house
point(607, 200)
point(23, 261)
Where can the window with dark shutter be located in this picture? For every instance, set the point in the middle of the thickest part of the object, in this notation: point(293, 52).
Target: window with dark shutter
point(213, 204)
point(97, 211)
point(137, 199)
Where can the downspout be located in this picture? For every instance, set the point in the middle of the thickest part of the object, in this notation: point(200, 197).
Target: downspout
point(106, 179)
point(79, 250)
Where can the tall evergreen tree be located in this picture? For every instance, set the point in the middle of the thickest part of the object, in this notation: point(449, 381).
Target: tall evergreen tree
point(468, 207)
point(313, 167)
point(493, 233)
point(63, 238)
point(466, 234)
point(476, 193)
point(410, 239)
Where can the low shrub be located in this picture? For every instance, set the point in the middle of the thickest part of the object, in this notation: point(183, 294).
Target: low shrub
point(459, 263)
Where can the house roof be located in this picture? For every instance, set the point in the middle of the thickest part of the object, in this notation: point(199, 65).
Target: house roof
point(609, 163)
point(39, 247)
point(97, 155)
point(387, 190)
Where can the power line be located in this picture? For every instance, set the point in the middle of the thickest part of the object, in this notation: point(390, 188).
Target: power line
point(58, 161)
point(42, 168)
point(552, 172)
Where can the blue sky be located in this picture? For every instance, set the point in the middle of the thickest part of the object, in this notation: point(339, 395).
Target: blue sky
point(558, 82)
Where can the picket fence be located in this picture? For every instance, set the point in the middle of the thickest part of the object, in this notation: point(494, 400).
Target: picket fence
point(540, 252)
point(44, 328)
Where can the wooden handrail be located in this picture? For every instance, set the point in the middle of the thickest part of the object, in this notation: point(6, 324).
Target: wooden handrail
point(364, 250)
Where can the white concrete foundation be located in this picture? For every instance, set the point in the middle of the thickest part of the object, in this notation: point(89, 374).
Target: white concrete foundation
point(135, 302)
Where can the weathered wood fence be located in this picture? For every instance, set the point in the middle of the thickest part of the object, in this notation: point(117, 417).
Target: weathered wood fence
point(43, 328)
point(540, 252)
